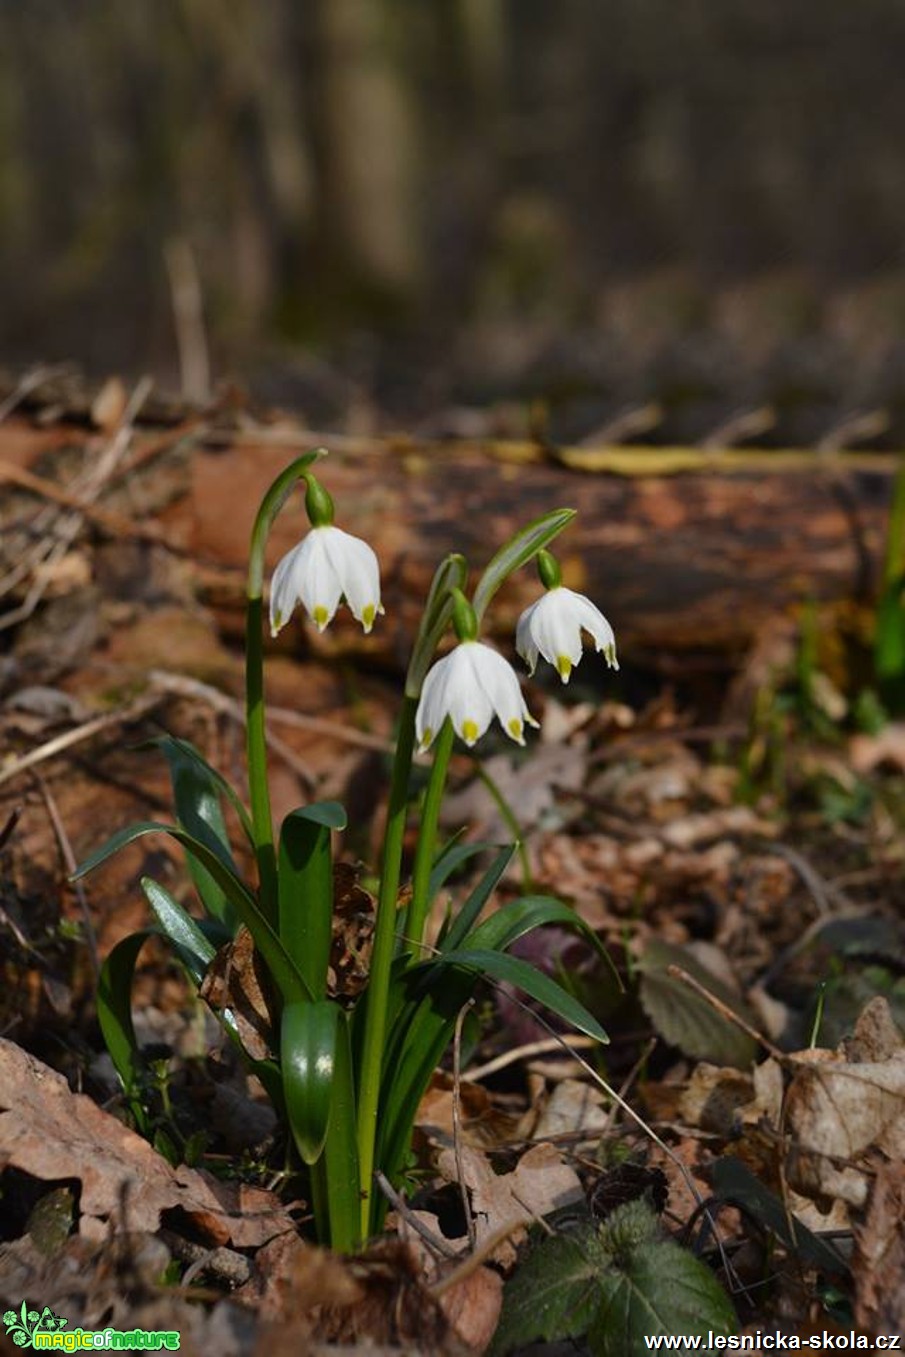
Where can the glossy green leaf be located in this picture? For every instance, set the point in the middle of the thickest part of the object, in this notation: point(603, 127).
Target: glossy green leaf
point(513, 920)
point(194, 949)
point(196, 796)
point(114, 1012)
point(462, 924)
point(518, 552)
point(518, 917)
point(450, 858)
point(501, 966)
point(285, 974)
point(305, 877)
point(340, 1157)
point(308, 1057)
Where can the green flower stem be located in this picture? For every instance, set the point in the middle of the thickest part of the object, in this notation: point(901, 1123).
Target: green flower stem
point(511, 822)
point(256, 738)
point(427, 837)
point(382, 956)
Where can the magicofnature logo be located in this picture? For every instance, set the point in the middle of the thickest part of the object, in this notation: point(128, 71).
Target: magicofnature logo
point(31, 1328)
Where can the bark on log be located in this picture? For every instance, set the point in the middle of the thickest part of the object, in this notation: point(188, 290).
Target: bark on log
point(695, 563)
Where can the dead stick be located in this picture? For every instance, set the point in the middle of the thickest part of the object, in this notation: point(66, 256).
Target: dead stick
point(122, 716)
point(405, 1212)
point(111, 522)
point(71, 866)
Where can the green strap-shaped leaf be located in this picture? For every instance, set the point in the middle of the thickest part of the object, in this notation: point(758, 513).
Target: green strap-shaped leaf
point(284, 972)
point(517, 552)
point(191, 945)
point(465, 919)
point(501, 966)
point(513, 920)
point(114, 1013)
point(305, 879)
point(335, 1178)
point(196, 796)
point(308, 1057)
point(453, 856)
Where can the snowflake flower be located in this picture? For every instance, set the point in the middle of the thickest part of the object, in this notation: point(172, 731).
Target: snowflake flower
point(325, 567)
point(471, 685)
point(553, 625)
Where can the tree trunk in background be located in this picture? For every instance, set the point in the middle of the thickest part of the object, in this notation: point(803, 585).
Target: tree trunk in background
point(368, 152)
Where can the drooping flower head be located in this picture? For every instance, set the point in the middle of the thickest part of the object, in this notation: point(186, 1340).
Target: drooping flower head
point(326, 566)
point(470, 685)
point(553, 625)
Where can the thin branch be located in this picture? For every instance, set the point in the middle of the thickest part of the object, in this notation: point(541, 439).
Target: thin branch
point(526, 1052)
point(405, 1212)
point(726, 1012)
point(60, 743)
point(71, 866)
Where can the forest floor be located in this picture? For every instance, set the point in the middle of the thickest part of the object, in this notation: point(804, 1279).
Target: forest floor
point(732, 833)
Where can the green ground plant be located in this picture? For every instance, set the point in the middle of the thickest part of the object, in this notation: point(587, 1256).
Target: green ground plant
point(348, 1079)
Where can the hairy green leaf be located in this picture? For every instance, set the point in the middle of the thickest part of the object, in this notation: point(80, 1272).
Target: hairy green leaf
point(685, 1019)
point(617, 1283)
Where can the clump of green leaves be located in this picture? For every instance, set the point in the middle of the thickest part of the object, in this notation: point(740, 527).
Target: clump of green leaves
point(346, 1072)
point(614, 1284)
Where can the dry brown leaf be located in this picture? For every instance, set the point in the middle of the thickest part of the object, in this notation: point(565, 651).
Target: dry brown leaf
point(573, 1106)
point(290, 1279)
point(473, 1306)
point(52, 1133)
point(714, 1097)
point(887, 747)
point(109, 405)
point(878, 1264)
point(530, 789)
point(237, 979)
point(691, 831)
point(481, 1122)
point(838, 1108)
point(540, 1183)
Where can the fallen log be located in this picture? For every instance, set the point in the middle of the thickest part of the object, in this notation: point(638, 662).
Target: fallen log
point(691, 563)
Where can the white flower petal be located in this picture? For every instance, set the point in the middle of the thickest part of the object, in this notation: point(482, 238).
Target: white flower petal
point(319, 586)
point(357, 568)
point(283, 594)
point(523, 640)
point(592, 619)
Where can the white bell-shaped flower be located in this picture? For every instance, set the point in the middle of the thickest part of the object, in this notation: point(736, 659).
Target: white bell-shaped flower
point(471, 685)
point(325, 567)
point(553, 625)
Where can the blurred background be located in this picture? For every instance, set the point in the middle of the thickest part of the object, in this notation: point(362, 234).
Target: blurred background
point(407, 207)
